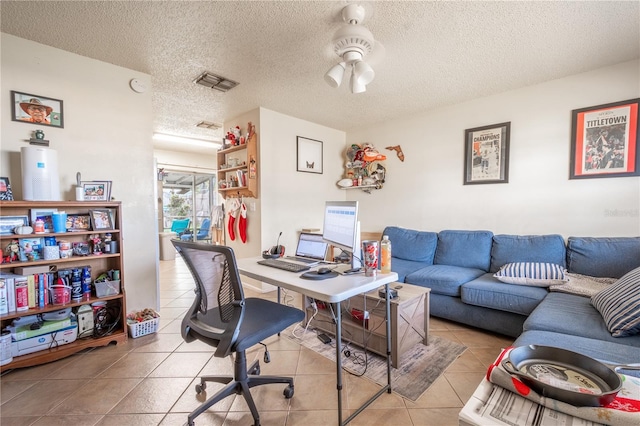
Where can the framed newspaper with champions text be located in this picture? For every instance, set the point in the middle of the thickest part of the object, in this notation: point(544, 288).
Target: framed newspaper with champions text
point(604, 141)
point(486, 154)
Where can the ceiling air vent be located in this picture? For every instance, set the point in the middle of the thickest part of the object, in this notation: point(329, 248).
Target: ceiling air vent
point(209, 125)
point(217, 82)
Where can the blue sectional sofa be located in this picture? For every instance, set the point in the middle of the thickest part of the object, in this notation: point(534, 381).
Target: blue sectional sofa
point(459, 266)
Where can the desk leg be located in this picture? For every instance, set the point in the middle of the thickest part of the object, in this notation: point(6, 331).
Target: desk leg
point(338, 310)
point(388, 307)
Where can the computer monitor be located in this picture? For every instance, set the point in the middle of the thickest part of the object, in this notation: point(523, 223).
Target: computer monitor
point(341, 228)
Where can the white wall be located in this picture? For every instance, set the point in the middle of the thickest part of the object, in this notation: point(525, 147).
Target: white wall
point(293, 200)
point(426, 191)
point(106, 136)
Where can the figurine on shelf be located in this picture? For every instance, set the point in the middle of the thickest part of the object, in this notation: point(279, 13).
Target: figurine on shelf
point(97, 243)
point(11, 252)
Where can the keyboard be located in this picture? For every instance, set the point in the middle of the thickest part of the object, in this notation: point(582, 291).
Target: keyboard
point(283, 264)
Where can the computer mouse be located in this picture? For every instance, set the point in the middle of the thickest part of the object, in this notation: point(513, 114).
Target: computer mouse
point(322, 271)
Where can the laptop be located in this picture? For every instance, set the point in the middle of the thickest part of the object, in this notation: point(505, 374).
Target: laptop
point(311, 249)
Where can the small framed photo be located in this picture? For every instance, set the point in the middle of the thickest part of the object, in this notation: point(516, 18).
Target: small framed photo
point(36, 109)
point(309, 155)
point(100, 219)
point(9, 223)
point(5, 189)
point(486, 154)
point(78, 222)
point(97, 190)
point(604, 141)
point(30, 249)
point(46, 215)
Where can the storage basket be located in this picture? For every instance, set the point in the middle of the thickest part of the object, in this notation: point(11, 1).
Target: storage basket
point(143, 328)
point(107, 288)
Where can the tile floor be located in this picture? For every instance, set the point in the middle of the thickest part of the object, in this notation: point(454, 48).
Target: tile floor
point(150, 380)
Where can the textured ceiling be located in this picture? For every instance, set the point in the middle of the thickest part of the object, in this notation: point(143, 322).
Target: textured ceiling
point(437, 53)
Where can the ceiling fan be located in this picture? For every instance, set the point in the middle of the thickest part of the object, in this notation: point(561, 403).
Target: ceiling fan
point(353, 43)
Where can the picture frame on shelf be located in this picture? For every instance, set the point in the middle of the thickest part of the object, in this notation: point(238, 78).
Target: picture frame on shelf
point(605, 141)
point(6, 194)
point(309, 155)
point(78, 222)
point(97, 190)
point(36, 109)
point(100, 220)
point(9, 223)
point(486, 154)
point(47, 217)
point(30, 249)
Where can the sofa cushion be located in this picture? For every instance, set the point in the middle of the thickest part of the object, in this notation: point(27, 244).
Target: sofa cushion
point(620, 305)
point(537, 274)
point(469, 249)
point(573, 315)
point(404, 267)
point(443, 279)
point(603, 257)
point(527, 248)
point(419, 246)
point(488, 292)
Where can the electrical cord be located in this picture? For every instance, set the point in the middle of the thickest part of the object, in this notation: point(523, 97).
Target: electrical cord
point(103, 315)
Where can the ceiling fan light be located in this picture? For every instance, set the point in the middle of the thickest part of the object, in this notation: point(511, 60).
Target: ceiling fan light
point(356, 86)
point(363, 72)
point(333, 77)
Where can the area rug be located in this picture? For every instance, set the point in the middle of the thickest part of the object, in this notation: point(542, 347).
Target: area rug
point(419, 368)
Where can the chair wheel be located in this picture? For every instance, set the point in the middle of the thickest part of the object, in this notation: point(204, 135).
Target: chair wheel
point(288, 392)
point(201, 387)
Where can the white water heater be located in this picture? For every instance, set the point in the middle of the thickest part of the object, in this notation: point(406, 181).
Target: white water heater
point(40, 180)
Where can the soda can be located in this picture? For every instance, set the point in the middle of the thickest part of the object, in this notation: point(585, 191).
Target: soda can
point(370, 258)
point(76, 285)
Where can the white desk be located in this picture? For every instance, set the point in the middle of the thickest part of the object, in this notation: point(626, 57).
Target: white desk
point(332, 290)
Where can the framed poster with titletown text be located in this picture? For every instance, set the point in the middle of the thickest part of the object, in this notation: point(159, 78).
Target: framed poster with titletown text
point(486, 154)
point(604, 141)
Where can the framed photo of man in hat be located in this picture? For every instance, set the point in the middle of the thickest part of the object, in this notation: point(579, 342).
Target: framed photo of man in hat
point(34, 109)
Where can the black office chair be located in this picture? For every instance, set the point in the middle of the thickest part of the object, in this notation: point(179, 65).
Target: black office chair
point(221, 317)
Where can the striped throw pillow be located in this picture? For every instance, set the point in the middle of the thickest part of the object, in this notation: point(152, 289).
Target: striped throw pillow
point(619, 305)
point(537, 274)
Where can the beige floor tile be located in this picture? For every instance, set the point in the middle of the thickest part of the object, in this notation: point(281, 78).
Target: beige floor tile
point(190, 399)
point(472, 338)
point(86, 366)
point(359, 390)
point(383, 417)
point(180, 419)
point(11, 388)
point(315, 392)
point(434, 416)
point(38, 372)
point(487, 356)
point(68, 420)
point(131, 419)
point(153, 343)
point(464, 384)
point(185, 364)
point(439, 395)
point(270, 418)
point(172, 313)
point(169, 326)
point(40, 398)
point(311, 362)
point(19, 421)
point(152, 395)
point(134, 365)
point(467, 362)
point(85, 401)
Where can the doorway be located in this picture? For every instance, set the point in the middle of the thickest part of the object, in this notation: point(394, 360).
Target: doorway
point(188, 200)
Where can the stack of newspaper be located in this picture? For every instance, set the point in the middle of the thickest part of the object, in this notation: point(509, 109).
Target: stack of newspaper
point(503, 400)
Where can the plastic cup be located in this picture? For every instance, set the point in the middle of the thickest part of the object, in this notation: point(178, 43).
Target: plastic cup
point(59, 222)
point(370, 258)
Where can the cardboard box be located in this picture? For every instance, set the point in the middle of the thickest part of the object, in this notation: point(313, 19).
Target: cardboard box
point(30, 270)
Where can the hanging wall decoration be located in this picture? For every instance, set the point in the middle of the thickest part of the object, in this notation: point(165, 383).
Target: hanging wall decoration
point(604, 141)
point(363, 168)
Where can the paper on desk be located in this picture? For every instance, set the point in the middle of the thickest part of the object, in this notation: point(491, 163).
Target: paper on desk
point(623, 411)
